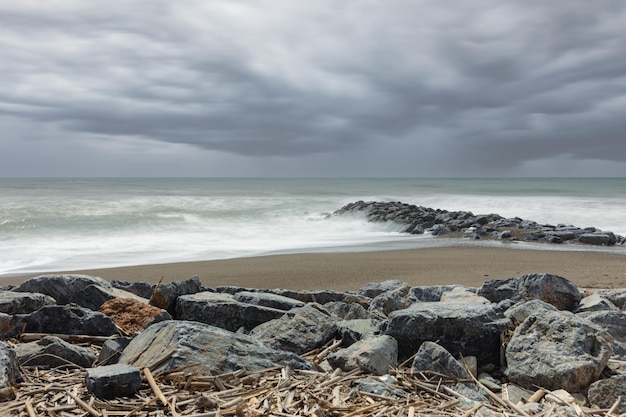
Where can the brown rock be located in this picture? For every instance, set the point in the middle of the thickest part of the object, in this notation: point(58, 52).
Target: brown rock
point(133, 316)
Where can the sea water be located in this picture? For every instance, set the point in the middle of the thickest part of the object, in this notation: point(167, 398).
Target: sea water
point(69, 224)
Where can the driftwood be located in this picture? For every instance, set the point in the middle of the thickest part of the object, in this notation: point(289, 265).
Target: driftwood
point(281, 392)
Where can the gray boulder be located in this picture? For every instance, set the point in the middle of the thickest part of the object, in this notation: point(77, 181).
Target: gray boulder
point(433, 358)
point(598, 238)
point(347, 311)
point(68, 319)
point(299, 330)
point(53, 352)
point(378, 387)
point(389, 301)
point(467, 329)
point(268, 300)
point(614, 323)
point(306, 296)
point(142, 289)
point(165, 295)
point(374, 289)
point(23, 302)
point(558, 291)
point(171, 344)
point(521, 311)
point(112, 350)
point(223, 310)
point(428, 293)
point(616, 296)
point(497, 290)
point(605, 392)
point(375, 355)
point(595, 302)
point(351, 331)
point(557, 350)
point(113, 381)
point(462, 295)
point(65, 289)
point(9, 367)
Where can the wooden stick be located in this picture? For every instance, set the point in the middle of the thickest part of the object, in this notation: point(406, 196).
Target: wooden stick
point(92, 411)
point(73, 338)
point(155, 388)
point(615, 406)
point(29, 409)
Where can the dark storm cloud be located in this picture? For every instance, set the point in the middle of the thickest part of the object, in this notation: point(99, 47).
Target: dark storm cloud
point(483, 83)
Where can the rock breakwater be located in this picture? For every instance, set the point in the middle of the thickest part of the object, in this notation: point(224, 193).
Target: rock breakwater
point(516, 346)
point(415, 219)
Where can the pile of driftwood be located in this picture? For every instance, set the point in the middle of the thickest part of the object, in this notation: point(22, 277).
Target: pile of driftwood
point(270, 392)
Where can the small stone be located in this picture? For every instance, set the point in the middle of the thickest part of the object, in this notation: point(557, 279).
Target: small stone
point(113, 381)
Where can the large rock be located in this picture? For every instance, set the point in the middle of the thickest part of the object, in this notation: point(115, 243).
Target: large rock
point(171, 344)
point(595, 302)
point(374, 289)
point(351, 331)
point(552, 289)
point(306, 296)
point(133, 316)
point(463, 295)
point(268, 300)
point(605, 392)
point(614, 323)
point(428, 293)
point(467, 329)
point(496, 290)
point(222, 310)
point(598, 238)
point(142, 289)
point(84, 290)
point(113, 381)
point(389, 301)
point(9, 366)
point(521, 311)
point(347, 311)
point(375, 355)
point(112, 350)
point(298, 331)
point(557, 350)
point(68, 319)
point(433, 358)
point(53, 352)
point(23, 302)
point(165, 295)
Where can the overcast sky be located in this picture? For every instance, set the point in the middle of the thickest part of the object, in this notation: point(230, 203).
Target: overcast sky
point(313, 88)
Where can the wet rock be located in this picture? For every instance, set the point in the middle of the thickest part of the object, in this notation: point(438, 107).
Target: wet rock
point(113, 381)
point(466, 329)
point(165, 295)
point(133, 316)
point(9, 366)
point(222, 310)
point(298, 331)
point(605, 392)
point(171, 344)
point(69, 319)
point(433, 358)
point(598, 238)
point(375, 355)
point(557, 350)
point(558, 291)
point(268, 300)
point(112, 350)
point(50, 351)
point(23, 302)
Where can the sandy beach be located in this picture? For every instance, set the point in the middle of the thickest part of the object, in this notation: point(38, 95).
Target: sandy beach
point(465, 265)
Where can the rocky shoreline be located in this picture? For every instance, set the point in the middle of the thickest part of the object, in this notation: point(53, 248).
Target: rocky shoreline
point(529, 345)
point(415, 219)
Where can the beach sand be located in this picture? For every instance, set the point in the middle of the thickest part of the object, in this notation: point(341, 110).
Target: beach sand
point(464, 265)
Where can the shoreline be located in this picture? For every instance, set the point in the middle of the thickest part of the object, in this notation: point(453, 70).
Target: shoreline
point(463, 265)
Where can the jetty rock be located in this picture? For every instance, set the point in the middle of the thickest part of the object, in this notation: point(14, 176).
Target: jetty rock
point(211, 350)
point(414, 219)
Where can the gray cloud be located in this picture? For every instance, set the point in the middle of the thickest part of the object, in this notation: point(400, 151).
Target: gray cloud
point(457, 88)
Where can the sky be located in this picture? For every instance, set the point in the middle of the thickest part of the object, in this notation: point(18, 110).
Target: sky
point(370, 88)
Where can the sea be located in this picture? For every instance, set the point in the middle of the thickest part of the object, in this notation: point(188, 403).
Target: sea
point(62, 224)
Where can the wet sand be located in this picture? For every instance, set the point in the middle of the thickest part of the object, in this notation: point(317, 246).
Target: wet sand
point(465, 265)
